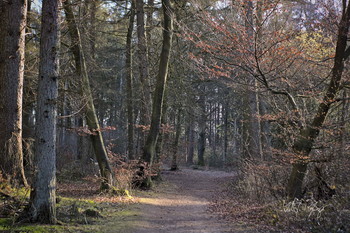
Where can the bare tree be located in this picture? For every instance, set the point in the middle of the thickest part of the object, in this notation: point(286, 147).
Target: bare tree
point(304, 143)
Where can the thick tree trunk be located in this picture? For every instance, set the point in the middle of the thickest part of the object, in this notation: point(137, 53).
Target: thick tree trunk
point(12, 42)
point(90, 112)
point(43, 195)
point(303, 145)
point(150, 146)
point(129, 82)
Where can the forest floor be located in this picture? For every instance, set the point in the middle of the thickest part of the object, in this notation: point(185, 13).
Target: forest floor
point(180, 203)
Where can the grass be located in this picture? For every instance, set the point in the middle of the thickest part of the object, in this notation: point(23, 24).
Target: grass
point(78, 211)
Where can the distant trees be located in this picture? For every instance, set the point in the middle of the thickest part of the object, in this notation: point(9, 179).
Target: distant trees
point(286, 62)
point(214, 83)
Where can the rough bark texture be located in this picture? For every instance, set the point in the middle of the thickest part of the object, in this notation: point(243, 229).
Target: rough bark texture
point(43, 195)
point(150, 146)
point(12, 41)
point(129, 82)
point(90, 112)
point(303, 145)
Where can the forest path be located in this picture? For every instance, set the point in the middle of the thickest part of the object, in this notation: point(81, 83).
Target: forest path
point(180, 203)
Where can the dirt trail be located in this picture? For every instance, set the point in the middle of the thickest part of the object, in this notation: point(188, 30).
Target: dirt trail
point(180, 204)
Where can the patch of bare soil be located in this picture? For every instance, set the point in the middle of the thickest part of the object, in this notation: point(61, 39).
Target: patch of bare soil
point(180, 204)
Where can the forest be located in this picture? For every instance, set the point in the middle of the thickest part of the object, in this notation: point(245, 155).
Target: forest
point(174, 116)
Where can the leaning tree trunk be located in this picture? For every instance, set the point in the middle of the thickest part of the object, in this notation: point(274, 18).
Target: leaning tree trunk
point(90, 112)
point(303, 145)
point(43, 195)
point(150, 146)
point(129, 82)
point(12, 41)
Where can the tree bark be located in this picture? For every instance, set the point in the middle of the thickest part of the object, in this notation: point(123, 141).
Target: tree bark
point(43, 195)
point(12, 42)
point(174, 163)
point(90, 112)
point(253, 148)
point(202, 125)
point(190, 138)
point(150, 146)
point(303, 145)
point(129, 83)
point(143, 66)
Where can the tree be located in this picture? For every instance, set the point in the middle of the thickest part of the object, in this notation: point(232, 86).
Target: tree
point(12, 42)
point(143, 67)
point(158, 96)
point(91, 117)
point(129, 82)
point(305, 141)
point(43, 195)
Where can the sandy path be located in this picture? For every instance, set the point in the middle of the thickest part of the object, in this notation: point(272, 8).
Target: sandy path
point(180, 204)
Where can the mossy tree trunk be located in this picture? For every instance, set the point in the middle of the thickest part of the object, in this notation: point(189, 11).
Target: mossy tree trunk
point(90, 112)
point(304, 143)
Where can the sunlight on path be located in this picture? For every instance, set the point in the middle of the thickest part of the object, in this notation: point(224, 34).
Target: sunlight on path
point(170, 202)
point(179, 205)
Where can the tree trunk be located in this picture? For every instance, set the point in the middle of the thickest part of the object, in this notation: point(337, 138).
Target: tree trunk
point(227, 110)
point(202, 128)
point(90, 112)
point(162, 136)
point(190, 138)
point(12, 42)
point(303, 145)
point(174, 164)
point(253, 148)
point(143, 67)
point(129, 82)
point(150, 146)
point(43, 195)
